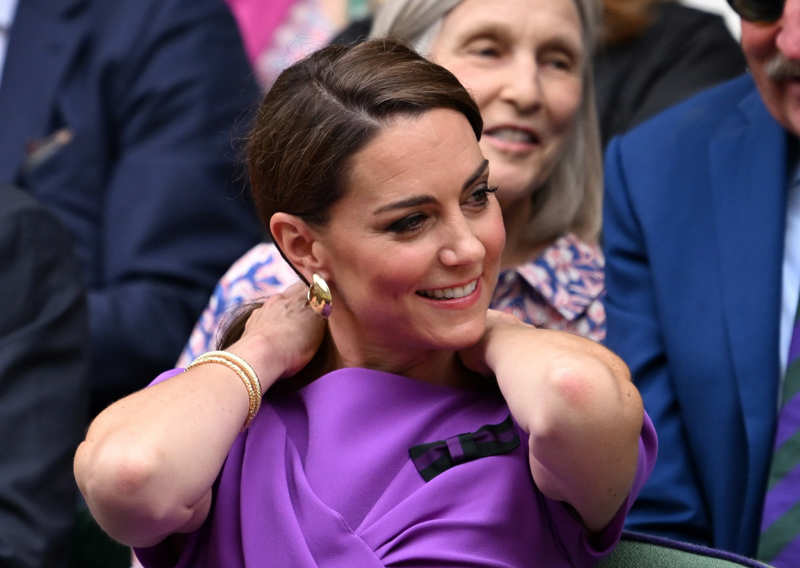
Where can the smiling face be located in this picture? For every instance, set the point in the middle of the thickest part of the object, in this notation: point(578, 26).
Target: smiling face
point(773, 56)
point(522, 61)
point(413, 247)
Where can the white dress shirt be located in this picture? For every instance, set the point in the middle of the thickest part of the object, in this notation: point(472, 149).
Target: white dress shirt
point(7, 9)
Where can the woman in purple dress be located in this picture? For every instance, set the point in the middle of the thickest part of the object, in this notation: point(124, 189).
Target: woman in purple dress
point(409, 425)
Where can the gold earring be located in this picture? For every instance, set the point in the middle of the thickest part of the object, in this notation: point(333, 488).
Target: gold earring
point(319, 296)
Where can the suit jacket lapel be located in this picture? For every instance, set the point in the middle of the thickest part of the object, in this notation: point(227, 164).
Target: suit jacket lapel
point(45, 36)
point(749, 178)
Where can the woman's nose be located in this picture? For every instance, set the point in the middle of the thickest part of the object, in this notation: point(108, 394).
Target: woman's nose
point(462, 245)
point(522, 87)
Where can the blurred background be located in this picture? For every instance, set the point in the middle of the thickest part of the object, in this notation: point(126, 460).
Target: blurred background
point(721, 7)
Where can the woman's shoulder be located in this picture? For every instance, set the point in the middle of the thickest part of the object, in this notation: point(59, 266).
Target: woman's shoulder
point(364, 469)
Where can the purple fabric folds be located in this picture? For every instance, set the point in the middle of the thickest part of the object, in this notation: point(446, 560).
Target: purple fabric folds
point(323, 478)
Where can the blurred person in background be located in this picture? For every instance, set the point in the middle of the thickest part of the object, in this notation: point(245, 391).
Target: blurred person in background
point(655, 53)
point(650, 54)
point(277, 33)
point(119, 117)
point(44, 382)
point(702, 239)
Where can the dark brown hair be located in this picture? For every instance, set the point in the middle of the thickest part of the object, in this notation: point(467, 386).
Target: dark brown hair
point(324, 109)
point(328, 106)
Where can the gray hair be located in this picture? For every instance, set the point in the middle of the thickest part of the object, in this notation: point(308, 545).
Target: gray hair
point(570, 200)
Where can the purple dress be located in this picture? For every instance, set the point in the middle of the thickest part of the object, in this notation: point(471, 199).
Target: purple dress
point(324, 478)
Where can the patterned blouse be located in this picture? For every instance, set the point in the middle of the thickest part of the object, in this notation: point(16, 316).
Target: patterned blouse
point(561, 289)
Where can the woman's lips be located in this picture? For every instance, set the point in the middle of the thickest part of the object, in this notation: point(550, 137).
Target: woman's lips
point(454, 293)
point(514, 139)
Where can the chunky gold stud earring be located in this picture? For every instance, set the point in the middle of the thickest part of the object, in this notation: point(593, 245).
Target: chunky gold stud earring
point(319, 296)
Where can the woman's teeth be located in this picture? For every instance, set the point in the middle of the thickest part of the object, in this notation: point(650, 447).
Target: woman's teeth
point(511, 135)
point(450, 293)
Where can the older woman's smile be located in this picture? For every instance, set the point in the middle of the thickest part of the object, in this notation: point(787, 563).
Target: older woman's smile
point(513, 133)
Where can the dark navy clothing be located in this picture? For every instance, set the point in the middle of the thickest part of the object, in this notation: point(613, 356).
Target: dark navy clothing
point(44, 382)
point(121, 118)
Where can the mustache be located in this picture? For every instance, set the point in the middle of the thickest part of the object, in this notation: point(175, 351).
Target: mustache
point(781, 68)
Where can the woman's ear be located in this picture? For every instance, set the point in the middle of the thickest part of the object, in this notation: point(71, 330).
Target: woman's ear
point(295, 238)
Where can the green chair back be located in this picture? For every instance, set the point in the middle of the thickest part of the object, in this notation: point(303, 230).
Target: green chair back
point(636, 550)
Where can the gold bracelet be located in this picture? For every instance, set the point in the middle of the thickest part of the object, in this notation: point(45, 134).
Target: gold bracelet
point(244, 365)
point(254, 400)
point(254, 397)
point(243, 370)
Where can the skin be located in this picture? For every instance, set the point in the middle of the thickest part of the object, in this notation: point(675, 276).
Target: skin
point(574, 397)
point(762, 43)
point(418, 216)
point(525, 73)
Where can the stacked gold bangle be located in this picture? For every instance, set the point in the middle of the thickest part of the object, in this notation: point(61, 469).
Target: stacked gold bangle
point(244, 371)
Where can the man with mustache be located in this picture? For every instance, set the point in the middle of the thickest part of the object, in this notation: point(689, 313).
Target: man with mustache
point(702, 241)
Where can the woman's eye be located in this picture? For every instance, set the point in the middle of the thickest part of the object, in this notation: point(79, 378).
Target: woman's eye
point(480, 196)
point(484, 49)
point(488, 52)
point(560, 62)
point(408, 224)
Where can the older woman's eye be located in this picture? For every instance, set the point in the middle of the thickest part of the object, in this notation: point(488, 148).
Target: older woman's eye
point(488, 52)
point(484, 48)
point(562, 64)
point(408, 224)
point(559, 61)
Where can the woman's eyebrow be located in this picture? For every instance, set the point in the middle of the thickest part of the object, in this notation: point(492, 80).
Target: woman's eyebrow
point(405, 203)
point(418, 200)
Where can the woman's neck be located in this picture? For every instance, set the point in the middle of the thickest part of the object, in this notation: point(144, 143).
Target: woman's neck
point(439, 367)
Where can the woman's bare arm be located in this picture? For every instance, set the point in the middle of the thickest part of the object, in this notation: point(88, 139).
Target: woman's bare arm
point(149, 460)
point(576, 400)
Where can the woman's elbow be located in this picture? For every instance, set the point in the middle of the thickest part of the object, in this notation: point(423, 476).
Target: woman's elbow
point(118, 485)
point(584, 448)
point(590, 395)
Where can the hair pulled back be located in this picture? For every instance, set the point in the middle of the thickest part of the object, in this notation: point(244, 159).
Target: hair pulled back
point(328, 106)
point(320, 112)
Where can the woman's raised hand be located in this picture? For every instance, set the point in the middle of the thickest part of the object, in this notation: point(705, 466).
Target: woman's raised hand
point(132, 466)
point(281, 336)
point(474, 357)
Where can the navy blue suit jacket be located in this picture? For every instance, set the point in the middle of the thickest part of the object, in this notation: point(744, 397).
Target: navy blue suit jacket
point(693, 232)
point(147, 179)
